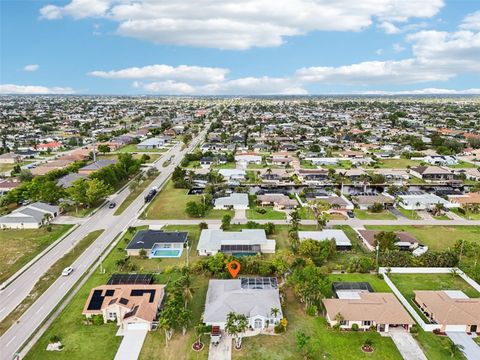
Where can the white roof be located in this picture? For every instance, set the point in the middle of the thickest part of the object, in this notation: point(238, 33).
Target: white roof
point(231, 172)
point(423, 199)
point(338, 235)
point(225, 296)
point(213, 239)
point(233, 199)
point(348, 294)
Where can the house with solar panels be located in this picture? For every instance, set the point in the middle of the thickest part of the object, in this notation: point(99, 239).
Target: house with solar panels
point(236, 243)
point(158, 243)
point(131, 306)
point(256, 298)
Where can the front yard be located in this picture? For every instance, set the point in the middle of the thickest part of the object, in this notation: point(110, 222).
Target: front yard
point(170, 204)
point(18, 247)
point(255, 213)
point(367, 215)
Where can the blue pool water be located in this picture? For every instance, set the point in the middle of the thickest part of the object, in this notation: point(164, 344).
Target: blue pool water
point(166, 253)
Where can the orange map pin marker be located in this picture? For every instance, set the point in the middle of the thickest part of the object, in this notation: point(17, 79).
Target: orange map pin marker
point(234, 268)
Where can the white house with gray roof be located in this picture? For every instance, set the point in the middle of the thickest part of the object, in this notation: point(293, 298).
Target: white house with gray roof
point(244, 242)
point(236, 201)
point(253, 297)
point(32, 216)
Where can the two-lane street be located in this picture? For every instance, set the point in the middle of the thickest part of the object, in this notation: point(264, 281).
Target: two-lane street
point(15, 337)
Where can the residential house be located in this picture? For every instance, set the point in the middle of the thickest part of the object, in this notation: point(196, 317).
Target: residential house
point(10, 158)
point(132, 307)
point(256, 298)
point(453, 310)
point(364, 202)
point(97, 165)
point(423, 201)
point(158, 243)
point(233, 175)
point(249, 158)
point(32, 216)
point(281, 159)
point(68, 180)
point(342, 242)
point(245, 242)
point(406, 241)
point(236, 201)
point(441, 160)
point(381, 311)
point(312, 175)
point(278, 201)
point(207, 161)
point(432, 173)
point(275, 176)
point(8, 184)
point(52, 145)
point(152, 143)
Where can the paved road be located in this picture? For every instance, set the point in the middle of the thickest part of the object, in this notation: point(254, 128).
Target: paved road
point(470, 348)
point(356, 223)
point(15, 337)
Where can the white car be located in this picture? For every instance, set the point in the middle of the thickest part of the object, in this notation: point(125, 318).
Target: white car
point(67, 271)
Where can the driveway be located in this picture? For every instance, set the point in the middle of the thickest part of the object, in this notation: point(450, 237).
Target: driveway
point(469, 347)
point(407, 345)
point(240, 214)
point(131, 345)
point(223, 351)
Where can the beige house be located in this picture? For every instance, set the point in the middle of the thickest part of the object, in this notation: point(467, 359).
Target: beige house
point(278, 201)
point(453, 310)
point(10, 158)
point(132, 307)
point(367, 309)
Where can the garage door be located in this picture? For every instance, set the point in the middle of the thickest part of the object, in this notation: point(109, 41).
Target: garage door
point(137, 326)
point(456, 328)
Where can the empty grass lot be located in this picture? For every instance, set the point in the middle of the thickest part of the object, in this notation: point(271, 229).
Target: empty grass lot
point(270, 214)
point(437, 238)
point(18, 247)
point(170, 204)
point(47, 279)
point(132, 148)
point(133, 195)
point(468, 214)
point(367, 215)
point(397, 163)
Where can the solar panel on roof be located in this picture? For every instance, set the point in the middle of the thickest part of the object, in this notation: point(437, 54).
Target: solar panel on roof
point(96, 301)
point(130, 279)
point(109, 292)
point(123, 301)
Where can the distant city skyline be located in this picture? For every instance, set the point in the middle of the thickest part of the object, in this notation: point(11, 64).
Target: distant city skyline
point(231, 47)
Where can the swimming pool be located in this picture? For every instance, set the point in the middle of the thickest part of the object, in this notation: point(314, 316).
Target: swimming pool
point(166, 253)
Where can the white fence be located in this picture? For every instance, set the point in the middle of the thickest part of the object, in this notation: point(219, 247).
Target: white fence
point(421, 270)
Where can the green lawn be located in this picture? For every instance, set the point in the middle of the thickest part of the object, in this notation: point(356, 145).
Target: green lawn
point(271, 214)
point(132, 148)
point(228, 165)
point(468, 214)
point(437, 238)
point(415, 180)
point(397, 163)
point(170, 204)
point(367, 215)
point(462, 165)
point(409, 214)
point(327, 343)
point(18, 247)
point(82, 341)
point(441, 217)
point(8, 167)
point(47, 279)
point(133, 195)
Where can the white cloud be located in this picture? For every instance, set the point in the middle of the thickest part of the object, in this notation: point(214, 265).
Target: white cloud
point(471, 21)
point(241, 24)
point(379, 51)
point(427, 91)
point(33, 89)
point(398, 47)
point(389, 28)
point(154, 72)
point(31, 67)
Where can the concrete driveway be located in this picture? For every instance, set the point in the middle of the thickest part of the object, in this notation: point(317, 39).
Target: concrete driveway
point(240, 214)
point(469, 347)
point(131, 344)
point(407, 345)
point(223, 351)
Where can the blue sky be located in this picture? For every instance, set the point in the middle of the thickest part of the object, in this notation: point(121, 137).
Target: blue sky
point(239, 47)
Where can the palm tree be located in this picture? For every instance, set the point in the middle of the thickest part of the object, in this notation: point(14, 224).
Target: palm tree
point(455, 349)
point(274, 312)
point(47, 217)
point(235, 326)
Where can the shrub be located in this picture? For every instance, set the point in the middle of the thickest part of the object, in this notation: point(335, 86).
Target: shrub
point(278, 329)
point(461, 211)
point(143, 253)
point(414, 329)
point(261, 211)
point(355, 327)
point(312, 310)
point(97, 320)
point(55, 339)
point(203, 225)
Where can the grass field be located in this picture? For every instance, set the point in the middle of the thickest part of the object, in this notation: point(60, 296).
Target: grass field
point(409, 214)
point(462, 165)
point(468, 214)
point(133, 195)
point(170, 204)
point(269, 215)
point(8, 167)
point(47, 279)
point(18, 247)
point(436, 237)
point(132, 148)
point(397, 163)
point(367, 215)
